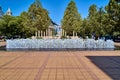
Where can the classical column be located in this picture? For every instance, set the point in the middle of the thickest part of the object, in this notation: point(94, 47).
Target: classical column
point(65, 34)
point(51, 33)
point(61, 33)
point(76, 34)
point(46, 32)
point(38, 33)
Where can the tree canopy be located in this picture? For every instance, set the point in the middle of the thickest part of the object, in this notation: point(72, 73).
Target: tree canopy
point(38, 16)
point(25, 25)
point(72, 19)
point(99, 22)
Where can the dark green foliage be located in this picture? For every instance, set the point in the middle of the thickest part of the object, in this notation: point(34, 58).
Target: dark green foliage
point(113, 11)
point(27, 23)
point(86, 29)
point(38, 16)
point(37, 3)
point(11, 26)
point(28, 29)
point(100, 21)
point(39, 37)
point(63, 37)
point(72, 19)
point(93, 23)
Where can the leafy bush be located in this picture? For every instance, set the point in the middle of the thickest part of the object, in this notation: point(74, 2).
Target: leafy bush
point(63, 37)
point(39, 38)
point(116, 33)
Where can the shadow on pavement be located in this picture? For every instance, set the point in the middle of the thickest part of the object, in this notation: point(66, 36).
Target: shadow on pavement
point(108, 64)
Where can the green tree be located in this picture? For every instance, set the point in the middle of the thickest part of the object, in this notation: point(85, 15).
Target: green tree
point(27, 28)
point(27, 23)
point(101, 17)
point(72, 19)
point(38, 16)
point(86, 29)
point(4, 25)
point(38, 4)
point(118, 21)
point(93, 20)
point(10, 26)
point(97, 18)
point(113, 11)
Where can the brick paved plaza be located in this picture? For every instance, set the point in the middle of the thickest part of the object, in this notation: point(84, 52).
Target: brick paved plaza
point(62, 65)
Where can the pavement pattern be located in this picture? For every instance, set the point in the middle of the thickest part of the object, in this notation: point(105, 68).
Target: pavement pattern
point(61, 65)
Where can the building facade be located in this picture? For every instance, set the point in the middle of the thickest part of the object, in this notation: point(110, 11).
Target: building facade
point(8, 12)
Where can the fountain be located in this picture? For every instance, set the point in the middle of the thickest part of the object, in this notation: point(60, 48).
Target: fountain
point(59, 44)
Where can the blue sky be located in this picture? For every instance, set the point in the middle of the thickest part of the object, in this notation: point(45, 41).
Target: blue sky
point(55, 8)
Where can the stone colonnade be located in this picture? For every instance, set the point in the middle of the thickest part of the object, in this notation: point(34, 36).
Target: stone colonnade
point(63, 33)
point(48, 32)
